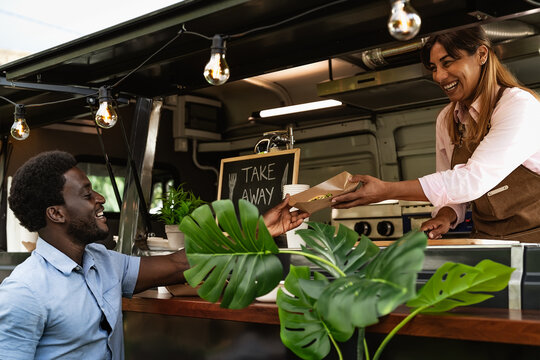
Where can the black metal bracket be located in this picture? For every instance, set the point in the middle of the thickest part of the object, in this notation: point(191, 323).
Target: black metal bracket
point(74, 90)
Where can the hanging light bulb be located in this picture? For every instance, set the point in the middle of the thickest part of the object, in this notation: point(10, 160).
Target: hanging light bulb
point(404, 22)
point(216, 71)
point(20, 129)
point(106, 116)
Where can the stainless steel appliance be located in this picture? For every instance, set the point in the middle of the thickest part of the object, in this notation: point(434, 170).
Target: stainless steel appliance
point(379, 221)
point(390, 219)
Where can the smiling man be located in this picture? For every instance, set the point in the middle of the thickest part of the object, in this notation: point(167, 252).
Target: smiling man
point(65, 300)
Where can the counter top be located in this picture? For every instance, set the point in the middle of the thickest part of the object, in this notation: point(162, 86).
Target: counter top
point(457, 242)
point(468, 323)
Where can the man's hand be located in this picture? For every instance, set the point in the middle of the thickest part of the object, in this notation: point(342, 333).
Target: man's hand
point(440, 224)
point(279, 219)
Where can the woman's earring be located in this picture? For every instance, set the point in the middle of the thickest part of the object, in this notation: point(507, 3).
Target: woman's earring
point(483, 61)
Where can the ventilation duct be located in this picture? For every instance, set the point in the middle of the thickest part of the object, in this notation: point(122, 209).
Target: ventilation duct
point(379, 58)
point(508, 30)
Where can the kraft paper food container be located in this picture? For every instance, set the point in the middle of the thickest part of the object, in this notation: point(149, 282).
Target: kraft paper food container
point(336, 185)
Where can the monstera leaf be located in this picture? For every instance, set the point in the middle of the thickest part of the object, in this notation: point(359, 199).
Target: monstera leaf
point(238, 262)
point(322, 311)
point(377, 289)
point(239, 265)
point(339, 249)
point(455, 285)
point(302, 329)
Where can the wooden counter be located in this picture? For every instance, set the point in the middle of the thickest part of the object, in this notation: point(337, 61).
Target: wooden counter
point(468, 323)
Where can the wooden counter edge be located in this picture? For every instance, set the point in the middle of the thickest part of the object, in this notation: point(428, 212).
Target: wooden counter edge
point(475, 324)
point(152, 302)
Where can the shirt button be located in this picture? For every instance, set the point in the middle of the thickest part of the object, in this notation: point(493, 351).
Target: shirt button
point(78, 268)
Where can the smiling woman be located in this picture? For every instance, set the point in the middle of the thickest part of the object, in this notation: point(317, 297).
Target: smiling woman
point(487, 150)
point(457, 76)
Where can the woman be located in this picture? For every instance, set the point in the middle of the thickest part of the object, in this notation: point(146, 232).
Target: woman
point(487, 148)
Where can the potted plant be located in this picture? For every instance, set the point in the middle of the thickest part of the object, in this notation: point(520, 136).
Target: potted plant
point(177, 203)
point(361, 282)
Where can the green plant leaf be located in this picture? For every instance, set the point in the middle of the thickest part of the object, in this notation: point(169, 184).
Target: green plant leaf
point(455, 285)
point(177, 203)
point(301, 328)
point(246, 257)
point(398, 264)
point(377, 289)
point(338, 248)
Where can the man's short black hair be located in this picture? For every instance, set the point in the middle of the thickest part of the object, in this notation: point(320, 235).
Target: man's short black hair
point(38, 184)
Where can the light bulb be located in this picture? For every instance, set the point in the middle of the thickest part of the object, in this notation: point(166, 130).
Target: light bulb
point(20, 129)
point(106, 116)
point(404, 22)
point(216, 71)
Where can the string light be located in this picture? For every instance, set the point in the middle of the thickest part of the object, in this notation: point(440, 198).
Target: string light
point(404, 22)
point(20, 129)
point(106, 116)
point(216, 71)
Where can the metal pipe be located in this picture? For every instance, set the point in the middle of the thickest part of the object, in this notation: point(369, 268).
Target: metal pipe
point(376, 58)
point(406, 48)
point(196, 162)
point(496, 32)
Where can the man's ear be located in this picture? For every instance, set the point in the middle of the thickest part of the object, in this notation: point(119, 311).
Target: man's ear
point(56, 214)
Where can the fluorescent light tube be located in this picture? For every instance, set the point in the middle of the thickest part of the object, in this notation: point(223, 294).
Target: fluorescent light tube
point(298, 108)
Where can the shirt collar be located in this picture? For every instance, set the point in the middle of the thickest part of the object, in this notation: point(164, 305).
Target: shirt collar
point(58, 259)
point(462, 112)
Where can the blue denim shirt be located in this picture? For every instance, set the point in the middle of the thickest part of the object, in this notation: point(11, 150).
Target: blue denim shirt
point(52, 308)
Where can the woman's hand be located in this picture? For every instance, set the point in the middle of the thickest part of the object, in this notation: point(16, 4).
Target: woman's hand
point(440, 224)
point(279, 219)
point(372, 190)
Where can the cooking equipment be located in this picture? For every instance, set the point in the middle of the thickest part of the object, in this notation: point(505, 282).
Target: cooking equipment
point(390, 219)
point(379, 221)
point(415, 213)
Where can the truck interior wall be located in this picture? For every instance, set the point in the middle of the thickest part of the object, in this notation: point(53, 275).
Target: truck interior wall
point(401, 147)
point(202, 182)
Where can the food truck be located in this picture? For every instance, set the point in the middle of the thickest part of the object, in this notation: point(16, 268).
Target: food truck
point(174, 126)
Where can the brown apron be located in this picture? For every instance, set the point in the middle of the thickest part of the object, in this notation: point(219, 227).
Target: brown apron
point(511, 210)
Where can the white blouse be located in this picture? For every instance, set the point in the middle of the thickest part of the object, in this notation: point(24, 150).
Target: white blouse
point(513, 140)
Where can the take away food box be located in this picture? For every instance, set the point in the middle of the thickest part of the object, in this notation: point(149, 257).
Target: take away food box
point(320, 196)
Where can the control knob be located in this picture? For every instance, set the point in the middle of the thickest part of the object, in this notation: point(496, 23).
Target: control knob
point(385, 228)
point(362, 228)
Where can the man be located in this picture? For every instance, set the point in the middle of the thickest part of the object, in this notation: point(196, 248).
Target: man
point(64, 301)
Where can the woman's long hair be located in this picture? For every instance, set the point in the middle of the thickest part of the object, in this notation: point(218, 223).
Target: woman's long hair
point(493, 72)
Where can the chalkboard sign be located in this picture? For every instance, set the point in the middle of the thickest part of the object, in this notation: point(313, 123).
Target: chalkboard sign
point(258, 178)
